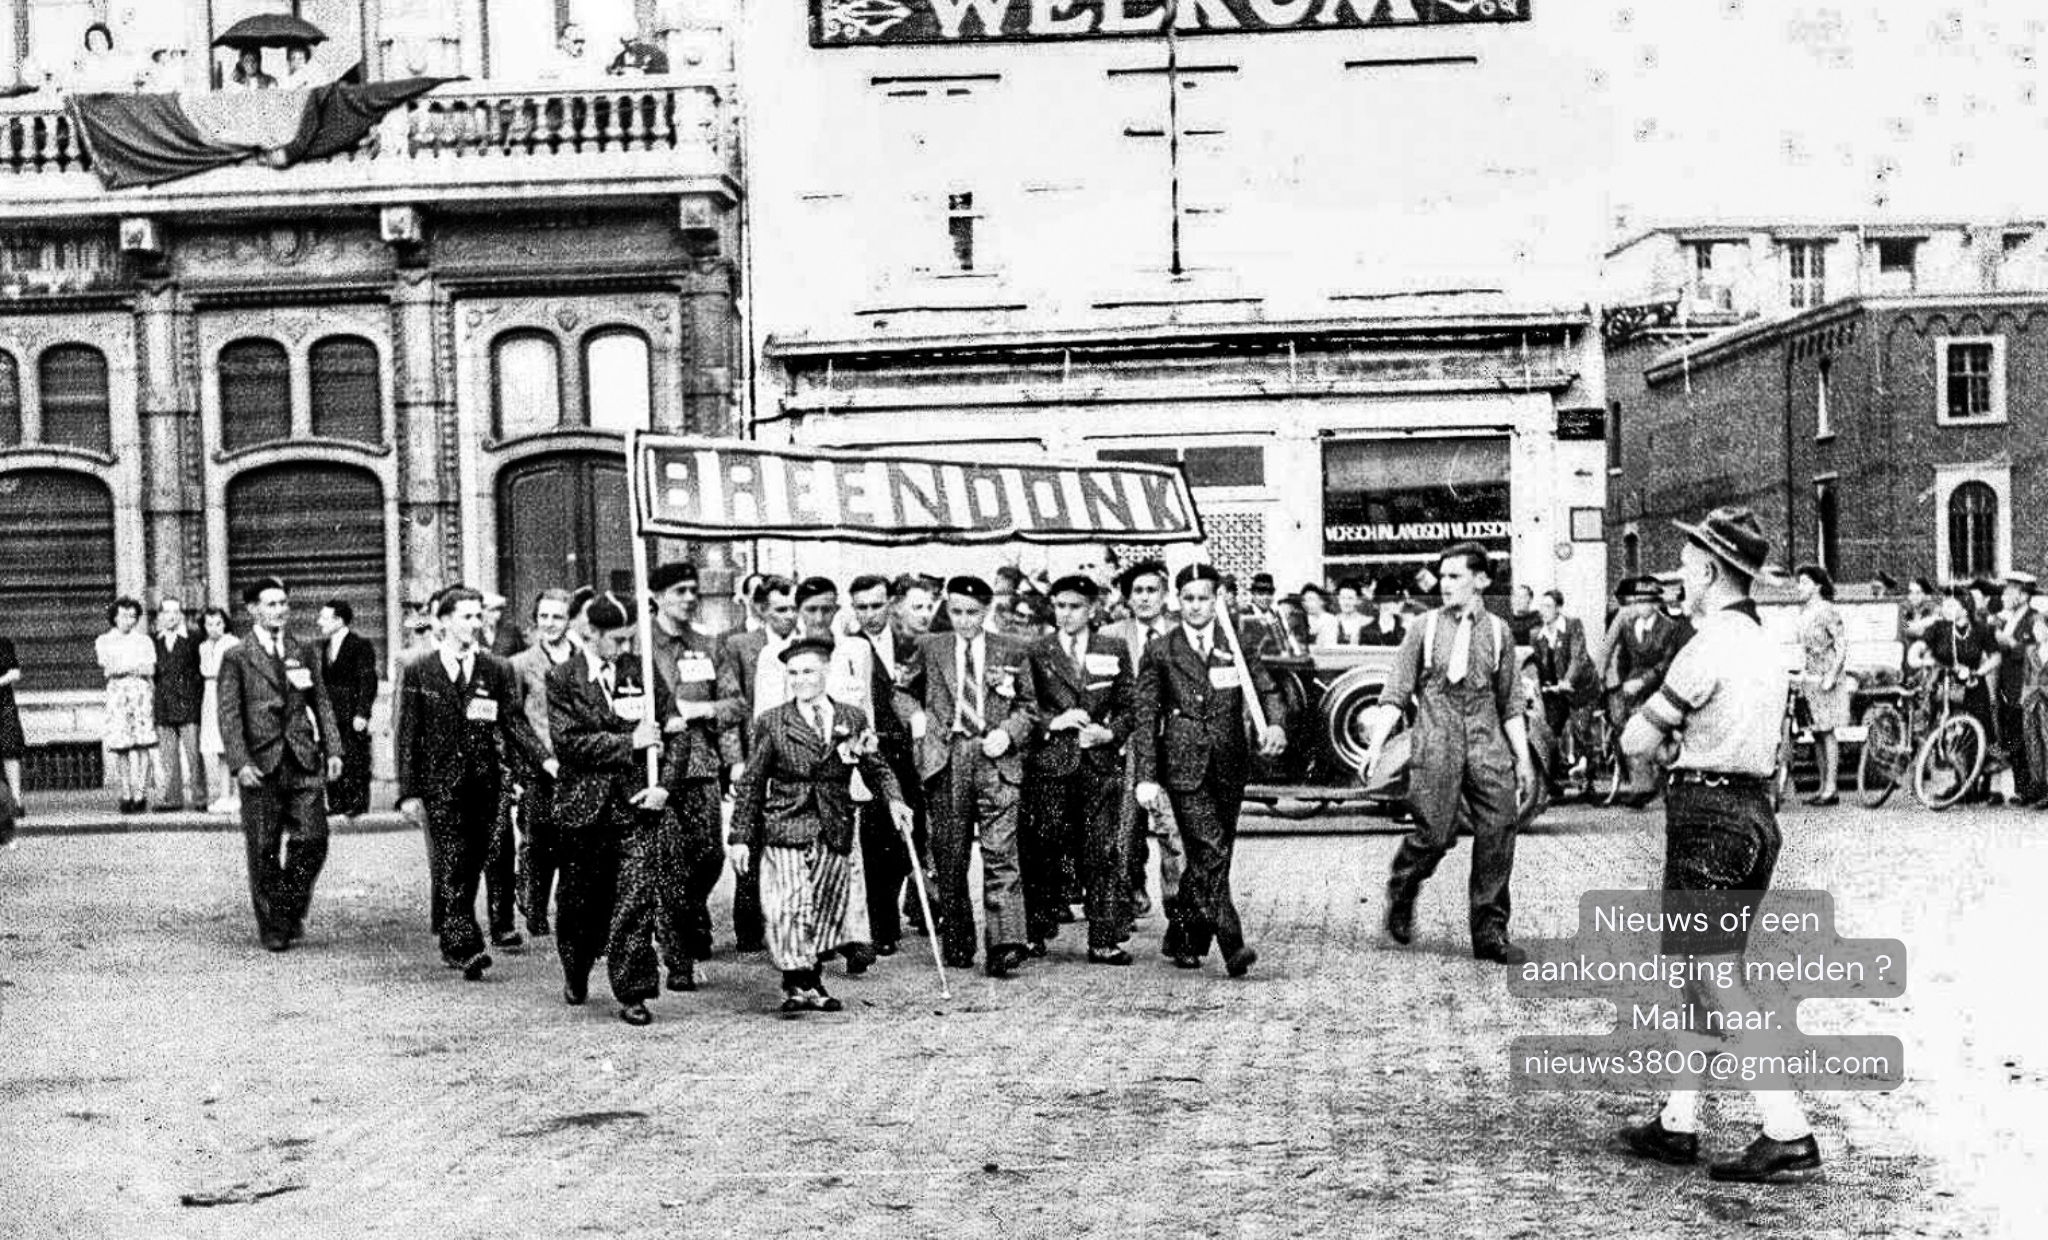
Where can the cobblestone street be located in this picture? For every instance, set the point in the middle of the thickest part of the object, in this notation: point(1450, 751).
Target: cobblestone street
point(353, 1087)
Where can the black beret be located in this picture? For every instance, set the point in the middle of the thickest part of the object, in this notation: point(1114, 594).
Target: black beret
point(606, 614)
point(1196, 572)
point(807, 645)
point(1076, 583)
point(672, 574)
point(812, 587)
point(1262, 581)
point(971, 587)
point(1143, 568)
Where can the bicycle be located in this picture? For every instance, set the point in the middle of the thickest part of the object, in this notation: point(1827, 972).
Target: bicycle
point(1943, 749)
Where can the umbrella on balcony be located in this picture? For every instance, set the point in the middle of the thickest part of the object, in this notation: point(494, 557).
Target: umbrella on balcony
point(270, 30)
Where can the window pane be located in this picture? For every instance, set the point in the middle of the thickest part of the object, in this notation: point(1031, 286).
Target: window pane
point(1226, 467)
point(347, 403)
point(1969, 380)
point(1973, 530)
point(1142, 456)
point(528, 400)
point(255, 394)
point(617, 382)
point(74, 379)
point(10, 401)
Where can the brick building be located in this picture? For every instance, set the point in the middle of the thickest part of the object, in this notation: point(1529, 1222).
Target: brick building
point(1876, 434)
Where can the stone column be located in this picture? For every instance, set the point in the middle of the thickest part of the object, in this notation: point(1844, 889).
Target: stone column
point(167, 418)
point(710, 406)
point(429, 491)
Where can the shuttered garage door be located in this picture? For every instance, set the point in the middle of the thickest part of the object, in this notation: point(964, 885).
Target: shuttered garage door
point(320, 528)
point(56, 574)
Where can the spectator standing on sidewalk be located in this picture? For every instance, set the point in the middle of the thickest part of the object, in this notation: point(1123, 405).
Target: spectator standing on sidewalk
point(1824, 680)
point(128, 659)
point(212, 648)
point(180, 693)
point(1724, 698)
point(2018, 634)
point(348, 663)
point(12, 743)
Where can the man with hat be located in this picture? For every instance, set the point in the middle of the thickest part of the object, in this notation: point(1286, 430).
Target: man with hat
point(1721, 703)
point(1471, 765)
point(794, 820)
point(1641, 644)
point(690, 849)
point(2017, 630)
point(1190, 735)
point(977, 709)
point(750, 673)
point(1144, 587)
point(1262, 625)
point(817, 610)
point(1074, 778)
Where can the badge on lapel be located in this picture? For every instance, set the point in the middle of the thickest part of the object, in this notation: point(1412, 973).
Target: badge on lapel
point(298, 675)
point(1004, 681)
point(1101, 664)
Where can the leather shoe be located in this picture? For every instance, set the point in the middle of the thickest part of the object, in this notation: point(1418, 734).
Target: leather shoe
point(636, 1014)
point(1764, 1160)
point(885, 949)
point(1241, 961)
point(510, 938)
point(1114, 955)
point(683, 979)
point(473, 968)
point(574, 993)
point(1400, 920)
point(1004, 961)
point(275, 942)
point(1500, 951)
point(1653, 1140)
point(793, 1004)
point(818, 1001)
point(1187, 962)
point(859, 958)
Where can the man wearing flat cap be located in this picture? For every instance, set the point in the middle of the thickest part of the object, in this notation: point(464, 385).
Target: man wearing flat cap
point(1074, 777)
point(1723, 700)
point(1190, 735)
point(977, 710)
point(691, 853)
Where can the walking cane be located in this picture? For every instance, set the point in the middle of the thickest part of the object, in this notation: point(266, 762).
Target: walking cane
point(644, 609)
point(931, 927)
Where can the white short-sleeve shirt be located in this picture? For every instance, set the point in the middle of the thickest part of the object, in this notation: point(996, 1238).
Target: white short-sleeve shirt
point(1730, 682)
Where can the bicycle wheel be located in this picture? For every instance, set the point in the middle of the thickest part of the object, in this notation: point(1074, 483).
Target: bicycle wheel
point(1884, 755)
point(1949, 761)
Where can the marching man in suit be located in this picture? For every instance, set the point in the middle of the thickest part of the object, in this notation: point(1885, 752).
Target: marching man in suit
point(602, 720)
point(456, 708)
point(750, 673)
point(348, 662)
point(552, 646)
point(1641, 643)
point(278, 736)
point(1076, 775)
point(794, 820)
point(977, 710)
point(1193, 751)
point(866, 668)
point(1144, 590)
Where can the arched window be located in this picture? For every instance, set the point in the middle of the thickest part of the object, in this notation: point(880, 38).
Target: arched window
point(75, 410)
point(1973, 530)
point(10, 401)
point(526, 384)
point(255, 393)
point(347, 394)
point(618, 381)
point(1827, 523)
point(320, 528)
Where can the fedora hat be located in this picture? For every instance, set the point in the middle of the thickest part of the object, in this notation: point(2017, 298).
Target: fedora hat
point(1639, 590)
point(1733, 536)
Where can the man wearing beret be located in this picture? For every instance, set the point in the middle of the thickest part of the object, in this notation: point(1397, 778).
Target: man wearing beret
point(1074, 778)
point(977, 710)
point(691, 853)
point(1190, 736)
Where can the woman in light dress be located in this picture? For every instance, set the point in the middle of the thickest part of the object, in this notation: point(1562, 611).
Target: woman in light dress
point(1825, 682)
point(217, 643)
point(128, 659)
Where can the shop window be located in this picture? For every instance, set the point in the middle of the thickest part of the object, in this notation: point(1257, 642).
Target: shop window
point(618, 381)
point(1973, 530)
point(10, 401)
point(75, 406)
point(346, 390)
point(1391, 505)
point(1972, 379)
point(255, 394)
point(526, 384)
point(1234, 465)
point(1806, 272)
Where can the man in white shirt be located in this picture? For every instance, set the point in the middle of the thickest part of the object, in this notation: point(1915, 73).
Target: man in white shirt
point(1144, 590)
point(750, 671)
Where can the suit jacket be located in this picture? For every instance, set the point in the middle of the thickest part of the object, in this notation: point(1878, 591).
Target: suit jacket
point(599, 767)
point(1565, 661)
point(1647, 657)
point(531, 667)
point(438, 742)
point(687, 663)
point(737, 656)
point(1103, 688)
point(796, 788)
point(351, 678)
point(1009, 700)
point(179, 686)
point(1190, 727)
point(271, 708)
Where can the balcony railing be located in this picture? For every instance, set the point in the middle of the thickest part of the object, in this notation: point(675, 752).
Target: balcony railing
point(464, 131)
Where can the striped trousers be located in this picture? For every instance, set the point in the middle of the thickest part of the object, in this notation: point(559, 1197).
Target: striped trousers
point(808, 900)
